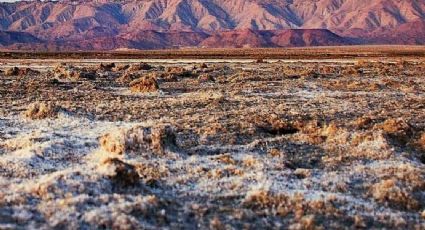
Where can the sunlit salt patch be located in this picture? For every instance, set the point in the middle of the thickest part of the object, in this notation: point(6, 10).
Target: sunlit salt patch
point(40, 146)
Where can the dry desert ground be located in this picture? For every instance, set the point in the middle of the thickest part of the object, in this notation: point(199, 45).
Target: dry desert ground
point(227, 143)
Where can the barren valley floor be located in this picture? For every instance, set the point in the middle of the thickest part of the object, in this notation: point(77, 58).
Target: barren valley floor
point(299, 144)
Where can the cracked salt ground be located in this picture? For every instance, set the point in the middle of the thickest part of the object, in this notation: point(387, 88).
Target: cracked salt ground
point(42, 146)
point(241, 150)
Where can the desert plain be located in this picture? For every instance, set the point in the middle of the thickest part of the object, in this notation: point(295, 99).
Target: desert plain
point(324, 138)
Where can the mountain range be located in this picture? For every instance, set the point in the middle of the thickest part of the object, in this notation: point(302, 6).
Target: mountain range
point(157, 24)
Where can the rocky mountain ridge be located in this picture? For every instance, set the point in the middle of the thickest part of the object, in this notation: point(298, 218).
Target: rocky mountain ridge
point(177, 23)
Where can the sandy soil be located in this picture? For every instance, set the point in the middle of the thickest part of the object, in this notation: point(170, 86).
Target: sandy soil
point(251, 144)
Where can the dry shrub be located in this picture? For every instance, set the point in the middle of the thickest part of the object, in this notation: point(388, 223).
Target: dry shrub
point(121, 67)
point(259, 61)
point(151, 173)
point(316, 132)
point(120, 172)
point(226, 159)
point(421, 141)
point(216, 224)
point(140, 66)
point(205, 78)
point(295, 206)
point(267, 203)
point(302, 173)
point(144, 84)
point(362, 63)
point(203, 66)
point(166, 77)
point(273, 125)
point(177, 71)
point(328, 70)
point(393, 193)
point(350, 71)
point(63, 71)
point(106, 67)
point(226, 171)
point(41, 110)
point(274, 152)
point(395, 126)
point(397, 129)
point(15, 71)
point(363, 122)
point(330, 130)
point(126, 78)
point(354, 85)
point(158, 139)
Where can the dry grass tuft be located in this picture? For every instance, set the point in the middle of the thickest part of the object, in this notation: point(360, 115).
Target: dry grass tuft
point(41, 110)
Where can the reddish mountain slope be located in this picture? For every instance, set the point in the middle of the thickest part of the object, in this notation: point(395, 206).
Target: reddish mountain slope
point(238, 39)
point(310, 37)
point(95, 22)
point(275, 38)
point(9, 38)
point(408, 33)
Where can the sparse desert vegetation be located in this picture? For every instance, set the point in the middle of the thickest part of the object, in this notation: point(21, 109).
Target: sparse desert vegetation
point(213, 144)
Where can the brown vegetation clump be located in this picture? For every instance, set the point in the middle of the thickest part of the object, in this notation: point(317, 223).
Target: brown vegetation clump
point(397, 129)
point(120, 172)
point(145, 84)
point(121, 67)
point(139, 67)
point(205, 78)
point(41, 110)
point(390, 191)
point(363, 122)
point(158, 139)
point(126, 78)
point(421, 141)
point(273, 125)
point(106, 67)
point(178, 71)
point(151, 174)
point(395, 126)
point(63, 71)
point(264, 202)
point(15, 71)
